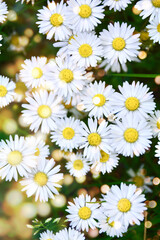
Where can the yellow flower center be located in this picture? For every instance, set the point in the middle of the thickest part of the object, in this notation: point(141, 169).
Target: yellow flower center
point(99, 100)
point(44, 111)
point(158, 27)
point(132, 103)
point(131, 135)
point(3, 91)
point(118, 44)
point(104, 157)
point(20, 88)
point(158, 124)
point(66, 75)
point(94, 139)
point(85, 11)
point(37, 152)
point(84, 213)
point(85, 50)
point(110, 224)
point(144, 36)
point(124, 205)
point(56, 19)
point(14, 158)
point(156, 3)
point(139, 181)
point(78, 164)
point(68, 133)
point(37, 72)
point(41, 178)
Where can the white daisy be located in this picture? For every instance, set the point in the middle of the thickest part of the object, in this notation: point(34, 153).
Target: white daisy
point(3, 11)
point(124, 204)
point(66, 133)
point(43, 180)
point(157, 151)
point(6, 91)
point(148, 8)
point(42, 110)
point(63, 45)
point(119, 43)
point(154, 122)
point(53, 21)
point(84, 15)
point(83, 213)
point(131, 137)
point(115, 66)
point(41, 150)
point(48, 235)
point(16, 157)
point(34, 72)
point(134, 100)
point(95, 138)
point(154, 29)
point(67, 78)
point(106, 163)
point(67, 234)
point(112, 229)
point(140, 180)
point(96, 99)
point(78, 166)
point(117, 5)
point(86, 49)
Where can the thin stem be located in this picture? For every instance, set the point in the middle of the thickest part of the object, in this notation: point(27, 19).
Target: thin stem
point(145, 229)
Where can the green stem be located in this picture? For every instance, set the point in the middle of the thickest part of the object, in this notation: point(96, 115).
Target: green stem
point(139, 75)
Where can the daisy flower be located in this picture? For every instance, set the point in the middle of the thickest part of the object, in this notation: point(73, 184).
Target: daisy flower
point(154, 122)
point(41, 150)
point(67, 78)
point(78, 166)
point(86, 49)
point(94, 139)
point(131, 137)
point(124, 204)
point(6, 91)
point(148, 8)
point(117, 5)
point(158, 151)
point(63, 45)
point(16, 157)
point(66, 133)
point(119, 43)
point(48, 235)
point(112, 229)
point(42, 110)
point(34, 72)
point(96, 99)
point(3, 11)
point(115, 66)
point(134, 100)
point(154, 29)
point(106, 163)
point(67, 234)
point(83, 213)
point(43, 180)
point(53, 21)
point(141, 181)
point(84, 15)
